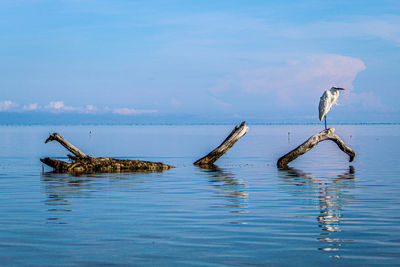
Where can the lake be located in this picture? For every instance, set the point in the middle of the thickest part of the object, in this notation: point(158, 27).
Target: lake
point(322, 211)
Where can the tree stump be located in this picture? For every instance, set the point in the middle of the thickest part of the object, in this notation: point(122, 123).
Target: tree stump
point(233, 137)
point(311, 143)
point(82, 163)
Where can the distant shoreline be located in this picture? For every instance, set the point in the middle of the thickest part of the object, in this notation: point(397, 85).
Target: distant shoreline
point(199, 124)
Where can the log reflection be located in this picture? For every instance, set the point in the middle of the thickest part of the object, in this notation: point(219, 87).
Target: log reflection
point(330, 194)
point(61, 189)
point(228, 187)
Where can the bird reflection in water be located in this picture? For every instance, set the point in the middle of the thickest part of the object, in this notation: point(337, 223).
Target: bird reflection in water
point(331, 195)
point(229, 188)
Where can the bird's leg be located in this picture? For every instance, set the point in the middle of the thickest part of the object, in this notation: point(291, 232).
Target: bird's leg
point(325, 123)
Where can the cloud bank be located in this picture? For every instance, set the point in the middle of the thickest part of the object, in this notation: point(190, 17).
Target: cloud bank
point(294, 81)
point(307, 74)
point(7, 105)
point(131, 111)
point(61, 107)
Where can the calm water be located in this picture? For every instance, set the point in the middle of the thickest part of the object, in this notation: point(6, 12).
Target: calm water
point(245, 211)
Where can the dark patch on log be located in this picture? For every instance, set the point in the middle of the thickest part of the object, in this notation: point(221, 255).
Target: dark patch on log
point(312, 142)
point(82, 163)
point(57, 165)
point(232, 138)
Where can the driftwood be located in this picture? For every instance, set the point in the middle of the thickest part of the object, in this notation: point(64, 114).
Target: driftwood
point(213, 156)
point(312, 142)
point(82, 163)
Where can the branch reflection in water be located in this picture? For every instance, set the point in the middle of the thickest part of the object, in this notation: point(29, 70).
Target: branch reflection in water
point(331, 195)
point(228, 187)
point(61, 189)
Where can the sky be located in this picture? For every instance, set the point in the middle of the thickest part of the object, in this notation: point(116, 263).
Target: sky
point(214, 61)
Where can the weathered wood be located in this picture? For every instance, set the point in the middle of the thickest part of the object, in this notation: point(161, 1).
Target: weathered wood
point(103, 165)
point(71, 148)
point(312, 142)
point(57, 165)
point(232, 138)
point(82, 163)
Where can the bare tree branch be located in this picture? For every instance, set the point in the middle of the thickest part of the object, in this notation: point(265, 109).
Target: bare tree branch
point(312, 142)
point(232, 138)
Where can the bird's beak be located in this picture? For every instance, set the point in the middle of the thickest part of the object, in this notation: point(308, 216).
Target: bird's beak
point(342, 89)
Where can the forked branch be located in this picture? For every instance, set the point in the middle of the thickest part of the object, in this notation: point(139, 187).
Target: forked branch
point(312, 142)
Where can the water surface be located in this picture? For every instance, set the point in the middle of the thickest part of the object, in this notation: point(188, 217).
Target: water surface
point(244, 211)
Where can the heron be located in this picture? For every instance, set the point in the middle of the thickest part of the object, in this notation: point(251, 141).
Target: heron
point(328, 98)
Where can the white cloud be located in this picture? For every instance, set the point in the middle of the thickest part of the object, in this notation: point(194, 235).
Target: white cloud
point(57, 105)
point(60, 107)
point(91, 109)
point(31, 107)
point(7, 105)
point(131, 111)
point(301, 77)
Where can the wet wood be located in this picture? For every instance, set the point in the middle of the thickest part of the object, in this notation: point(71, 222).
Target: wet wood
point(82, 163)
point(311, 143)
point(233, 137)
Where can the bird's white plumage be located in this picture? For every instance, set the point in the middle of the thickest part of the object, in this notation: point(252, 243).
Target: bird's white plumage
point(328, 98)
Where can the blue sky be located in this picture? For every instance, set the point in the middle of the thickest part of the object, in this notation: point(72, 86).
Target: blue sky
point(254, 60)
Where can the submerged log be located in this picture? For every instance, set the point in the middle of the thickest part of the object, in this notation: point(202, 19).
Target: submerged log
point(82, 163)
point(312, 142)
point(232, 138)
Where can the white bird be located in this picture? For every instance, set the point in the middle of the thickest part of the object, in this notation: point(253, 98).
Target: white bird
point(328, 98)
